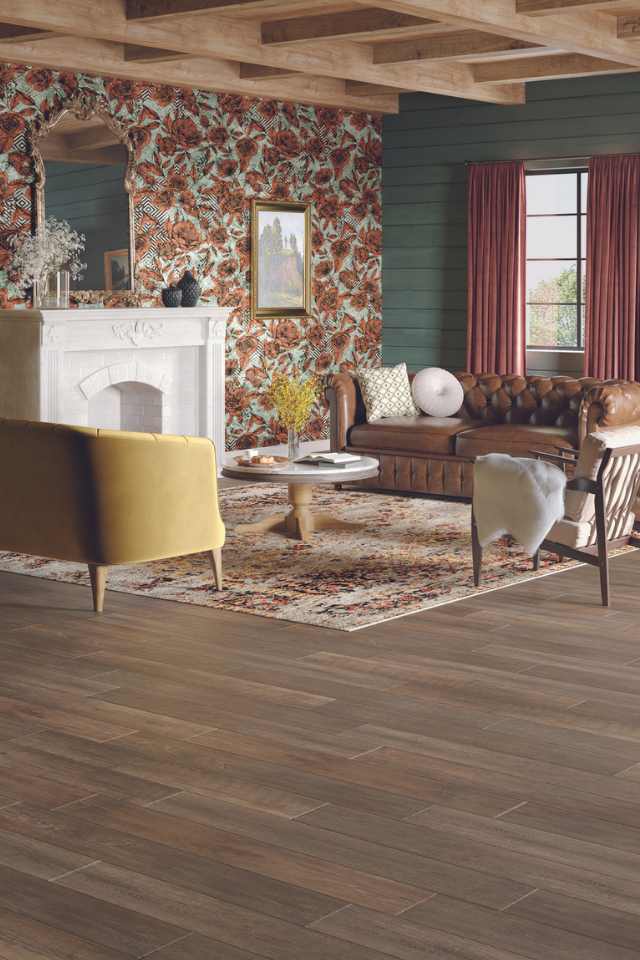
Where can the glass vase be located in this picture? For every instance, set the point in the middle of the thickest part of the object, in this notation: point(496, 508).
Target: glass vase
point(293, 439)
point(53, 292)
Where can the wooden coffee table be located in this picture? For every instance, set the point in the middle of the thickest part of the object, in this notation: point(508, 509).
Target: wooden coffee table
point(301, 522)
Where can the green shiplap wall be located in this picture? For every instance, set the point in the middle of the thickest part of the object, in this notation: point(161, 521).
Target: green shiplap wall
point(426, 147)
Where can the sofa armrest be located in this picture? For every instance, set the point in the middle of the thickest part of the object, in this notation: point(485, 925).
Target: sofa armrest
point(344, 408)
point(615, 403)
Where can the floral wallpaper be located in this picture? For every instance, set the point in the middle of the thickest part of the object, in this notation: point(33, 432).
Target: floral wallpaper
point(200, 158)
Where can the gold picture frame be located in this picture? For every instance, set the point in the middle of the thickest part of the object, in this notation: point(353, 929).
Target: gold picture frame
point(114, 258)
point(280, 270)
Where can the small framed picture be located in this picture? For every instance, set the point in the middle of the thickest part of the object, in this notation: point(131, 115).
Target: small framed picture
point(280, 259)
point(117, 270)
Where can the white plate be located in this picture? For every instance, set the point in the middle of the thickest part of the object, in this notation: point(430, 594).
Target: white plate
point(260, 467)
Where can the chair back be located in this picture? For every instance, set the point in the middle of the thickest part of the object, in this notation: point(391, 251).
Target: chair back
point(611, 457)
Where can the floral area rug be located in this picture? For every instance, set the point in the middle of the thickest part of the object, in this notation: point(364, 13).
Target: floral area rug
point(411, 554)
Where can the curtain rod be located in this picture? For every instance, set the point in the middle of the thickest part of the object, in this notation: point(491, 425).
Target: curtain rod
point(482, 163)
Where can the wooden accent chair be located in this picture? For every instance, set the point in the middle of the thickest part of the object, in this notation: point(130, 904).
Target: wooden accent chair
point(106, 497)
point(600, 504)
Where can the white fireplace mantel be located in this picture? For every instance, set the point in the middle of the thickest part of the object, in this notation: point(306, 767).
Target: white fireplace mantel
point(54, 362)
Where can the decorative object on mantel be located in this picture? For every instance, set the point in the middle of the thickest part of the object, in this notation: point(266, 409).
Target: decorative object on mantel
point(191, 290)
point(172, 296)
point(45, 259)
point(87, 298)
point(409, 555)
point(293, 399)
point(126, 298)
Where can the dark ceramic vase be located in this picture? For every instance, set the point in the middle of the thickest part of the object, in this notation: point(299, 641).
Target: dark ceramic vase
point(191, 290)
point(172, 296)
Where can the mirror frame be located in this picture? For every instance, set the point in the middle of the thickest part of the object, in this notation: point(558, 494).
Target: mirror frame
point(83, 108)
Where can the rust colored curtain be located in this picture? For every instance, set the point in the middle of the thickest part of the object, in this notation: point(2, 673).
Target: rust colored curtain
point(612, 334)
point(496, 336)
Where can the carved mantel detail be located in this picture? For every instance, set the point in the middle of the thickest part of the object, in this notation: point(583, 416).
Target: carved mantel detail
point(137, 331)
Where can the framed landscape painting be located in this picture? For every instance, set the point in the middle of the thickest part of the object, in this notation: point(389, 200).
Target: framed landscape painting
point(280, 259)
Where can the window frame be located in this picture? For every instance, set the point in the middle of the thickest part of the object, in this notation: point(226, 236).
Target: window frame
point(579, 215)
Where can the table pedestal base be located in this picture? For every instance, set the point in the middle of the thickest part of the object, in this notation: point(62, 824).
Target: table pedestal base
point(300, 523)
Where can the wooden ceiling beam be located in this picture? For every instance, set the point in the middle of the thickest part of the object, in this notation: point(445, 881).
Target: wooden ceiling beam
point(258, 71)
point(446, 47)
point(365, 24)
point(554, 67)
point(357, 89)
point(162, 9)
point(239, 40)
point(629, 28)
point(133, 51)
point(560, 6)
point(9, 31)
point(592, 34)
point(56, 147)
point(93, 138)
point(106, 59)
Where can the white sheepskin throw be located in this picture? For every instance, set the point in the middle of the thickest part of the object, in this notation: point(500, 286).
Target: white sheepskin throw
point(437, 392)
point(516, 496)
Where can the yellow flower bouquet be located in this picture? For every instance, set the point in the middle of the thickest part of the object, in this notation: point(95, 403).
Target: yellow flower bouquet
point(293, 399)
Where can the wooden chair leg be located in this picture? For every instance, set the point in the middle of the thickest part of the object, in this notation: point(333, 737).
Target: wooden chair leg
point(603, 551)
point(216, 566)
point(98, 576)
point(536, 560)
point(477, 552)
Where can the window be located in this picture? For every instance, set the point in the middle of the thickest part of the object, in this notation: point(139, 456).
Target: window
point(556, 259)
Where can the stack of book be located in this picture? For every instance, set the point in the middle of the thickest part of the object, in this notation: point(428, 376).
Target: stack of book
point(328, 460)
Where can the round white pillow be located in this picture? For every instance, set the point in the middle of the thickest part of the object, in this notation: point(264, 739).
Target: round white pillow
point(437, 392)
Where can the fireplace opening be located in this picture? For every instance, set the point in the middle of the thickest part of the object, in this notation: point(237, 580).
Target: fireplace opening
point(127, 405)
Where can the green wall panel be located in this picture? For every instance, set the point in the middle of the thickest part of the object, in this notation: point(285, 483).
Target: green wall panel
point(426, 147)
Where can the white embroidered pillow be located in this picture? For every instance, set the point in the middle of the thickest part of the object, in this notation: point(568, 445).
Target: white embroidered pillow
point(386, 392)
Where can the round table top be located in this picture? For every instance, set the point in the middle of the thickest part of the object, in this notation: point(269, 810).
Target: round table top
point(302, 473)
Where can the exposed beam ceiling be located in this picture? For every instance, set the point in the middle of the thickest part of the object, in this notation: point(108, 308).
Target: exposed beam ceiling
point(629, 27)
point(368, 23)
point(161, 9)
point(593, 34)
point(446, 47)
point(133, 51)
point(555, 67)
point(350, 53)
point(107, 59)
point(10, 32)
point(561, 6)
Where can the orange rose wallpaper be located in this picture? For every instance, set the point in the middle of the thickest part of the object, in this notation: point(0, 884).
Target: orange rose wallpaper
point(200, 160)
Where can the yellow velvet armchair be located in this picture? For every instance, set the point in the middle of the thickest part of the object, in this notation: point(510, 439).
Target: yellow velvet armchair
point(106, 497)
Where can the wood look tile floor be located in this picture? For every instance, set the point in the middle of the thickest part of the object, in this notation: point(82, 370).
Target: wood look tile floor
point(189, 784)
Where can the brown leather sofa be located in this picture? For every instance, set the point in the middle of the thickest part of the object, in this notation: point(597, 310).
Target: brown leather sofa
point(500, 414)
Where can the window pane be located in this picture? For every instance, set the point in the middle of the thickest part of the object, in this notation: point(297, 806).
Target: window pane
point(552, 237)
point(585, 190)
point(583, 236)
point(550, 281)
point(552, 325)
point(552, 193)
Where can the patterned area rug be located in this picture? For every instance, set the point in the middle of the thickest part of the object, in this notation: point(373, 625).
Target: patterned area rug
point(410, 555)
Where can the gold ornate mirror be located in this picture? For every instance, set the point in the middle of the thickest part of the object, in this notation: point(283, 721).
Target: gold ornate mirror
point(83, 167)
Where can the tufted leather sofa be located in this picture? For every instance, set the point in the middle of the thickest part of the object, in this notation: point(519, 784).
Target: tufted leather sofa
point(500, 414)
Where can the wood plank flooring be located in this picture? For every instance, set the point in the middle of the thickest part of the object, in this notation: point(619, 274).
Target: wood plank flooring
point(189, 784)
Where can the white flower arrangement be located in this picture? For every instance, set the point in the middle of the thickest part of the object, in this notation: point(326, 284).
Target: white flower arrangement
point(54, 246)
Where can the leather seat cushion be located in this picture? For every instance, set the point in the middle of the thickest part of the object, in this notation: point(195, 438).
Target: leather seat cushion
point(419, 434)
point(516, 439)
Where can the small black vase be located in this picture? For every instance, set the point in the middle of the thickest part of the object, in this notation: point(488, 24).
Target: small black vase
point(172, 296)
point(191, 290)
